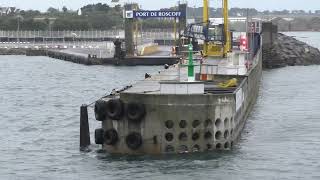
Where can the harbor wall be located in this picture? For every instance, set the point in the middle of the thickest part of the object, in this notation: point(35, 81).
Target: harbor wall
point(198, 134)
point(129, 61)
point(247, 94)
point(65, 57)
point(16, 51)
point(211, 121)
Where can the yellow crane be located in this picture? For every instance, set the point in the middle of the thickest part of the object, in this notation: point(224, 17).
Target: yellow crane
point(212, 47)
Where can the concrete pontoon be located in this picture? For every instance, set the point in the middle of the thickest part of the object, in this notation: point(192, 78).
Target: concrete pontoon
point(166, 113)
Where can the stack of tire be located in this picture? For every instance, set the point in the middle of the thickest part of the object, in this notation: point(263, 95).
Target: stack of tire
point(115, 109)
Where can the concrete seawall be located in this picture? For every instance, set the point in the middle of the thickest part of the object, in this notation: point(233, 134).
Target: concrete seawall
point(65, 56)
point(181, 122)
point(128, 61)
point(17, 51)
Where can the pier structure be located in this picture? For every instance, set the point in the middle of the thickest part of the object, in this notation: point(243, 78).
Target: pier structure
point(168, 113)
point(59, 36)
point(146, 47)
point(133, 15)
point(190, 107)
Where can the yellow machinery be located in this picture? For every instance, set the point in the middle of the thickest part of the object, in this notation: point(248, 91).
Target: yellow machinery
point(206, 22)
point(230, 83)
point(214, 47)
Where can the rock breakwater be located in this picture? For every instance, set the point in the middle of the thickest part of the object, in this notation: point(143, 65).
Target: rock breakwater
point(288, 51)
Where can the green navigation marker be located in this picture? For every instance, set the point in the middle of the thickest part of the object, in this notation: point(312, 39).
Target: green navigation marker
point(190, 65)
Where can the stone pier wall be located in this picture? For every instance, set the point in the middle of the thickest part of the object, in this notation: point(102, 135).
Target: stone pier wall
point(19, 51)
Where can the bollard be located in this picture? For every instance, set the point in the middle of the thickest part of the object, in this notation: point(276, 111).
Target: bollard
point(84, 129)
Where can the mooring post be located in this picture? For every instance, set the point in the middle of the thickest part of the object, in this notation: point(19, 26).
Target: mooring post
point(84, 129)
point(129, 29)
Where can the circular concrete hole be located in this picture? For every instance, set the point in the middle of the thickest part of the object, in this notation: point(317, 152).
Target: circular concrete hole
point(218, 122)
point(183, 149)
point(196, 123)
point(218, 146)
point(207, 123)
point(169, 149)
point(169, 124)
point(183, 124)
point(226, 123)
point(209, 147)
point(231, 132)
point(226, 145)
point(183, 136)
point(195, 136)
point(226, 134)
point(208, 135)
point(218, 135)
point(196, 148)
point(169, 137)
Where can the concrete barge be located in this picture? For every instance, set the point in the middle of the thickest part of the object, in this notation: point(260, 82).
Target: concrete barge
point(167, 114)
point(193, 106)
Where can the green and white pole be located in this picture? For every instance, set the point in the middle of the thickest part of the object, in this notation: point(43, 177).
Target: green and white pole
point(191, 77)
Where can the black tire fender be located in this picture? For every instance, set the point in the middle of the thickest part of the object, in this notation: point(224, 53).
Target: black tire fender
point(98, 136)
point(100, 110)
point(111, 137)
point(134, 141)
point(114, 109)
point(136, 112)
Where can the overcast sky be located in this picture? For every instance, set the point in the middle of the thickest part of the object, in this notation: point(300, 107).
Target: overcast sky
point(156, 4)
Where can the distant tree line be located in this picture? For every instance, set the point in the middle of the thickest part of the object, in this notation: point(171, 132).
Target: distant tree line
point(236, 12)
point(96, 16)
point(298, 24)
point(103, 17)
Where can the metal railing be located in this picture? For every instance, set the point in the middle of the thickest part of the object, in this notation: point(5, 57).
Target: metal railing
point(223, 70)
point(61, 34)
point(149, 34)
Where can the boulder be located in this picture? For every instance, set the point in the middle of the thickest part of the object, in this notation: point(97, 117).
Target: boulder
point(288, 51)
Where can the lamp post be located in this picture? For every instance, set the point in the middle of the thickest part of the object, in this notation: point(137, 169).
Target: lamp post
point(190, 64)
point(19, 17)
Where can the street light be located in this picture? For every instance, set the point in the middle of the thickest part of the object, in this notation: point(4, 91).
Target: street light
point(19, 17)
point(74, 35)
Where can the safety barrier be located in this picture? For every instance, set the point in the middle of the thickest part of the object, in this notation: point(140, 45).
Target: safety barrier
point(207, 71)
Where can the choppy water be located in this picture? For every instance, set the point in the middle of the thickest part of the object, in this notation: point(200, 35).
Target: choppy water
point(39, 131)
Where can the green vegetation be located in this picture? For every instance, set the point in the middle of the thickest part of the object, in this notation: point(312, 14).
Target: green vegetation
point(235, 12)
point(298, 24)
point(103, 17)
point(97, 16)
point(93, 17)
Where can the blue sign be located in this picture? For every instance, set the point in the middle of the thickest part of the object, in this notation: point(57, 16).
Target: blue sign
point(158, 14)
